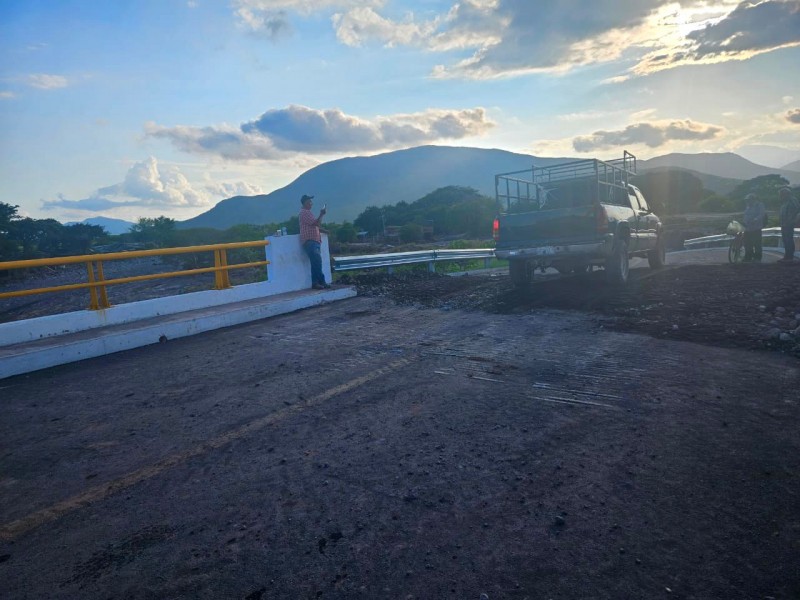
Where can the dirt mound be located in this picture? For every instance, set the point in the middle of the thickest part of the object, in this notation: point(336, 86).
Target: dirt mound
point(747, 306)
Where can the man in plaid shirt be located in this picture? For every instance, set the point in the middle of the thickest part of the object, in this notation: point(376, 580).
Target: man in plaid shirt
point(310, 239)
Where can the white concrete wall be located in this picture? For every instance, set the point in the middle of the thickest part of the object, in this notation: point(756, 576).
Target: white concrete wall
point(289, 270)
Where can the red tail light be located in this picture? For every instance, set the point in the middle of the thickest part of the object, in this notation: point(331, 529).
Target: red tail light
point(496, 229)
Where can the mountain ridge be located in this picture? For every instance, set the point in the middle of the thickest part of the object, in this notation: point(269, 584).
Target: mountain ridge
point(349, 185)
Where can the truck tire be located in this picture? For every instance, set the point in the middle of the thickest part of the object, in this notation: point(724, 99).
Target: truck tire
point(657, 257)
point(520, 273)
point(617, 267)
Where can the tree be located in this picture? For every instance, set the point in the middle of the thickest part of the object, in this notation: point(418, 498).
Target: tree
point(765, 187)
point(371, 220)
point(346, 233)
point(159, 231)
point(451, 210)
point(410, 232)
point(8, 213)
point(9, 246)
point(671, 191)
point(79, 238)
point(717, 204)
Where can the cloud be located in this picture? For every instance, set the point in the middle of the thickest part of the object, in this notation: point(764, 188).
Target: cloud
point(223, 141)
point(227, 190)
point(500, 38)
point(750, 28)
point(148, 185)
point(7, 95)
point(47, 82)
point(270, 18)
point(793, 116)
point(279, 133)
point(653, 135)
point(359, 25)
point(746, 31)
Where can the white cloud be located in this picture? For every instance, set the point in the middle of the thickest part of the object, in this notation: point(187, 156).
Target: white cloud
point(280, 133)
point(7, 95)
point(653, 135)
point(47, 82)
point(147, 184)
point(228, 189)
point(363, 23)
point(513, 37)
point(740, 33)
point(224, 141)
point(271, 17)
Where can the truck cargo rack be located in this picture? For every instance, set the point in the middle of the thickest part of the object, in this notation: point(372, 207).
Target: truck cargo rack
point(547, 187)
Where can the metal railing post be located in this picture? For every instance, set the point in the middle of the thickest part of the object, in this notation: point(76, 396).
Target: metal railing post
point(102, 289)
point(93, 305)
point(221, 278)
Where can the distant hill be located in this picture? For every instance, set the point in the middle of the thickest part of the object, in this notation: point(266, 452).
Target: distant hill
point(719, 185)
point(112, 226)
point(793, 166)
point(726, 164)
point(349, 185)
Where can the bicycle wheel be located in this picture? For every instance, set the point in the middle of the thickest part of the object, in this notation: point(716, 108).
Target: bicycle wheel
point(735, 251)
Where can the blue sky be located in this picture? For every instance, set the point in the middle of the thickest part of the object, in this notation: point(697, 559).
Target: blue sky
point(140, 108)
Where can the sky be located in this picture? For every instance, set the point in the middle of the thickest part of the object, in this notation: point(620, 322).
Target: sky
point(142, 108)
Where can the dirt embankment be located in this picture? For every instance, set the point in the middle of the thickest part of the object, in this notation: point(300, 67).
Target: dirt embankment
point(746, 306)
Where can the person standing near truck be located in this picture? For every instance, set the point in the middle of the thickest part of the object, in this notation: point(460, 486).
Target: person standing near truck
point(311, 239)
point(754, 214)
point(789, 212)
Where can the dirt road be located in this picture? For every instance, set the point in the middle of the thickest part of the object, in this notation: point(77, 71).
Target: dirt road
point(390, 447)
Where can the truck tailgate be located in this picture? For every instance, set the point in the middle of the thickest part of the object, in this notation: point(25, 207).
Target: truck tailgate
point(547, 227)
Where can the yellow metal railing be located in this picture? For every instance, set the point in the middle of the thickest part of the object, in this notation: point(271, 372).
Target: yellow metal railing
point(97, 282)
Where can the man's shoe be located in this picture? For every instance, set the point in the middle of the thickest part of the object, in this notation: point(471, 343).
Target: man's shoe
point(326, 285)
point(317, 286)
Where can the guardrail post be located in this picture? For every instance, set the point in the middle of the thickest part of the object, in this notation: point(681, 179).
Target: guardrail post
point(432, 266)
point(221, 279)
point(101, 278)
point(93, 305)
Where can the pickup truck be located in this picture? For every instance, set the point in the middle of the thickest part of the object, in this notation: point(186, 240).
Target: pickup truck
point(574, 216)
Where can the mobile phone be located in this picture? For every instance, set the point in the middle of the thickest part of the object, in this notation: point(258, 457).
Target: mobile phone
point(325, 206)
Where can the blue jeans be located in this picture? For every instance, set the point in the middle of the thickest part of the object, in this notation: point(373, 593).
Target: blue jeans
point(787, 233)
point(312, 248)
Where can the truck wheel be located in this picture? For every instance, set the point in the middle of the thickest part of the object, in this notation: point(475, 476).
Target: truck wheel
point(617, 268)
point(520, 272)
point(657, 257)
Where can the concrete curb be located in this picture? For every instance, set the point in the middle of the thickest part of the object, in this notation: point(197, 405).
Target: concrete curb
point(58, 350)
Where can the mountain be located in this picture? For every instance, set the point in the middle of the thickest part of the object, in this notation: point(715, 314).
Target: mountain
point(770, 156)
point(794, 166)
point(112, 226)
point(349, 185)
point(722, 186)
point(725, 164)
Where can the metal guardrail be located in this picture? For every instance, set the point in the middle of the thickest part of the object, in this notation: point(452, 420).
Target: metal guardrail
point(97, 282)
point(723, 239)
point(391, 260)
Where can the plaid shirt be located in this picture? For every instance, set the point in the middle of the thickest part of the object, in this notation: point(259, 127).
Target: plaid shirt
point(309, 227)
